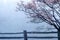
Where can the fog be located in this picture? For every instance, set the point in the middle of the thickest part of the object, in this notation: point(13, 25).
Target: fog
point(13, 21)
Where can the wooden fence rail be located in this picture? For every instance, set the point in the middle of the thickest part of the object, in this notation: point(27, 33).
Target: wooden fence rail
point(26, 37)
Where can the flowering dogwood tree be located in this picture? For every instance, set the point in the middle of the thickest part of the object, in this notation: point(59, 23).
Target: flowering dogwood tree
point(42, 11)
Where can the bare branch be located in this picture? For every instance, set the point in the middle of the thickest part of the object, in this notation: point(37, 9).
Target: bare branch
point(37, 12)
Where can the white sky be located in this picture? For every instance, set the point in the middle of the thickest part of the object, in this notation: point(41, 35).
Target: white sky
point(5, 1)
point(8, 1)
point(12, 21)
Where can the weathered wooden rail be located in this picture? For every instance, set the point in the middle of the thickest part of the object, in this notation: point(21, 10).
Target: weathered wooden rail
point(25, 37)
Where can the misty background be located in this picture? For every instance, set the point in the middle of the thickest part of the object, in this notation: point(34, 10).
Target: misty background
point(13, 21)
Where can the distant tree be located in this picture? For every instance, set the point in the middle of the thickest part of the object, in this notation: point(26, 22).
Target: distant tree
point(36, 9)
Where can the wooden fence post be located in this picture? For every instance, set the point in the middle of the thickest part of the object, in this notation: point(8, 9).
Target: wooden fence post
point(25, 35)
point(59, 34)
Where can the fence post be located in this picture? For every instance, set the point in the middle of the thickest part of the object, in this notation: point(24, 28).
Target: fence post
point(25, 35)
point(59, 34)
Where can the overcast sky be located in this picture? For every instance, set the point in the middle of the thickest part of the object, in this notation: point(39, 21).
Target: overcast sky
point(12, 21)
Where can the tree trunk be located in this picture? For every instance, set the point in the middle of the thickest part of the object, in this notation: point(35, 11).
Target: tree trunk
point(59, 34)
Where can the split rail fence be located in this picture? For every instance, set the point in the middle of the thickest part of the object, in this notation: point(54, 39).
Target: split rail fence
point(25, 37)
